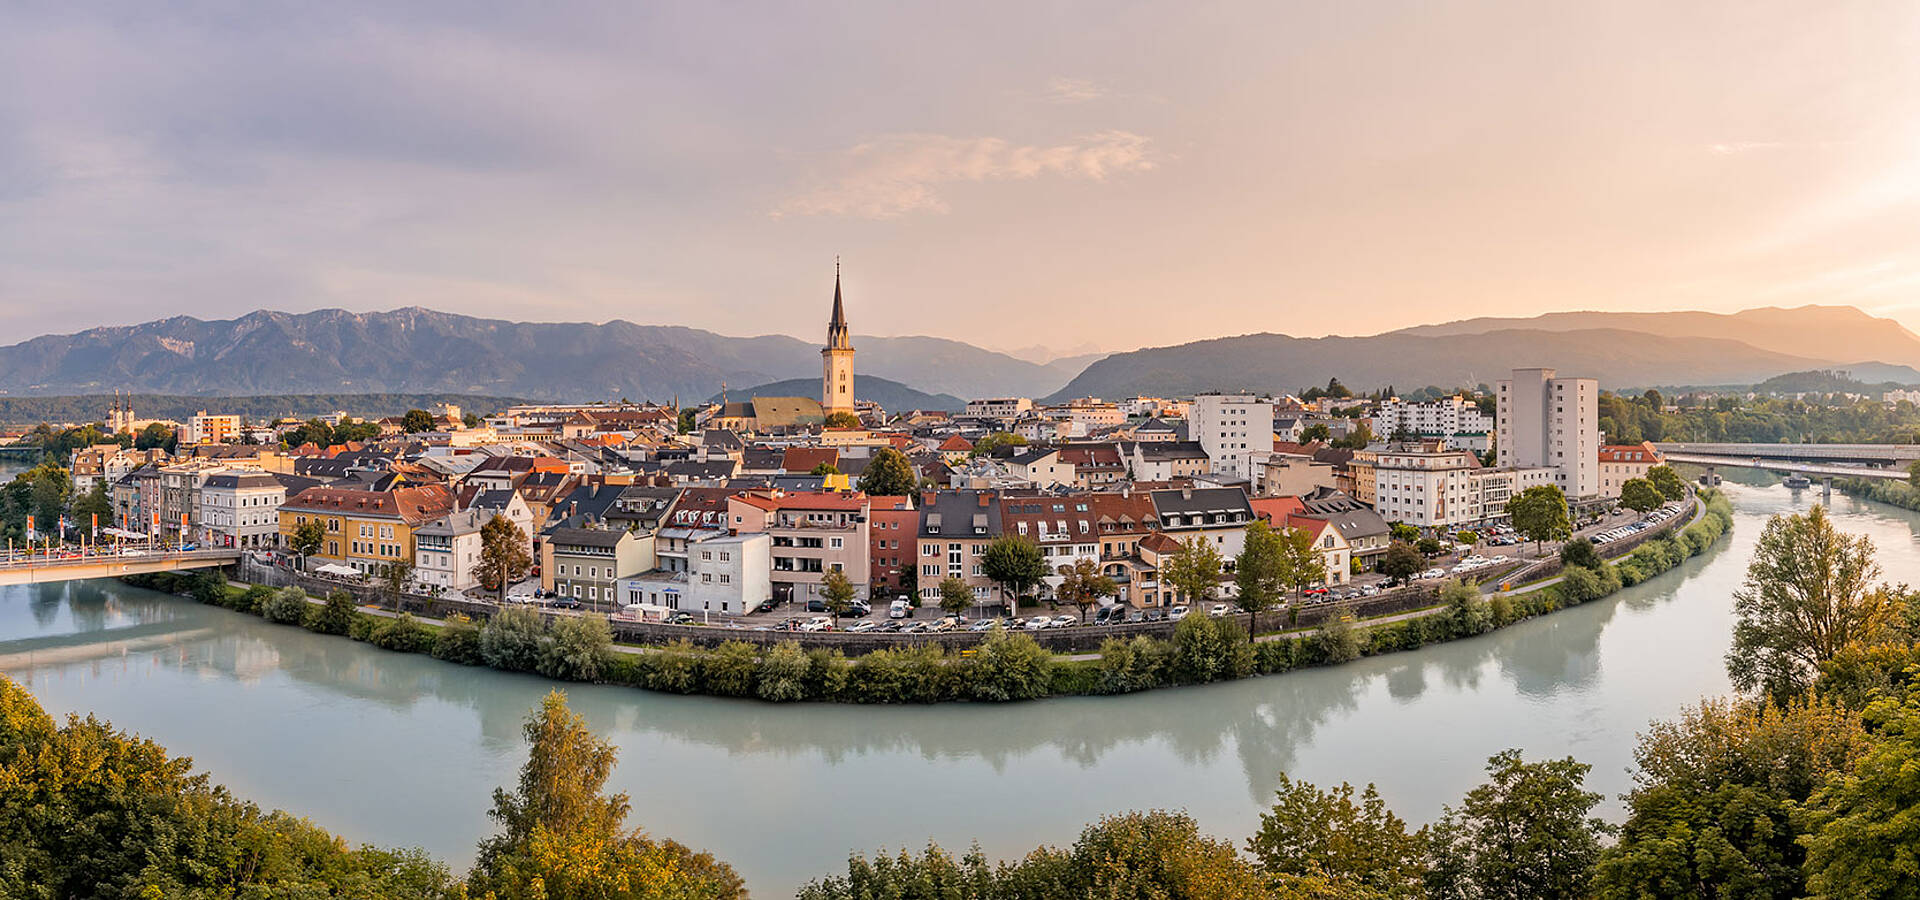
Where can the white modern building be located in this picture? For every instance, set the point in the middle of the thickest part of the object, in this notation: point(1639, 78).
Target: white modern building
point(1448, 417)
point(999, 408)
point(240, 508)
point(446, 551)
point(1545, 421)
point(728, 574)
point(1229, 427)
point(1430, 485)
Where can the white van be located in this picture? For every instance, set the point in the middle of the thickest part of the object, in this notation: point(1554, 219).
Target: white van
point(900, 609)
point(644, 612)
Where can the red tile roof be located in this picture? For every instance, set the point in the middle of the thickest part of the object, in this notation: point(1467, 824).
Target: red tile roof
point(1643, 452)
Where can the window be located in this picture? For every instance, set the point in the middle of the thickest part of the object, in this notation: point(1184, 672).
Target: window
point(836, 543)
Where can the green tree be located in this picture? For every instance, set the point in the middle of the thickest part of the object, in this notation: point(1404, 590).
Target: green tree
point(1008, 667)
point(89, 811)
point(416, 420)
point(1326, 841)
point(1712, 809)
point(955, 596)
point(562, 836)
point(1539, 513)
point(825, 468)
point(1258, 578)
point(685, 423)
point(1193, 571)
point(1401, 531)
point(1014, 563)
point(155, 436)
point(1809, 591)
point(1401, 562)
point(842, 420)
point(838, 591)
point(514, 639)
point(395, 576)
point(1301, 565)
point(1863, 830)
point(1525, 833)
point(888, 474)
point(1639, 495)
point(1318, 431)
point(986, 445)
point(1082, 585)
point(1667, 482)
point(1582, 554)
point(1157, 854)
point(503, 555)
point(1467, 612)
point(576, 648)
point(93, 506)
point(307, 537)
point(335, 616)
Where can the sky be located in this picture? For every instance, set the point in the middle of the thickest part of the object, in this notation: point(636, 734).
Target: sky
point(1069, 175)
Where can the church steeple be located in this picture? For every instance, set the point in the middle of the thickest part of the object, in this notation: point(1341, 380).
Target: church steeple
point(836, 358)
point(839, 336)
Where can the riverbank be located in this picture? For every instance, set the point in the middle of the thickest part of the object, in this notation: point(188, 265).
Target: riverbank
point(1005, 667)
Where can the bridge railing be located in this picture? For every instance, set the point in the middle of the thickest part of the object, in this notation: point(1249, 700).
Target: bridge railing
point(21, 559)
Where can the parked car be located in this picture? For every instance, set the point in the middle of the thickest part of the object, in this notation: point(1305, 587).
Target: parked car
point(899, 609)
point(983, 625)
point(1176, 614)
point(816, 606)
point(681, 619)
point(563, 603)
point(1065, 621)
point(862, 627)
point(1038, 623)
point(1220, 611)
point(766, 605)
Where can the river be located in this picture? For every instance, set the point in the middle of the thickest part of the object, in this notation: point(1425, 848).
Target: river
point(404, 750)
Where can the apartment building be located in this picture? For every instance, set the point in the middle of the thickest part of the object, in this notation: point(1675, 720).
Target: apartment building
point(955, 528)
point(1543, 420)
point(239, 508)
point(1229, 427)
point(365, 530)
point(893, 527)
point(446, 551)
point(1000, 408)
point(585, 563)
point(202, 428)
point(1448, 417)
point(813, 533)
point(1430, 485)
point(729, 574)
point(1064, 528)
point(1621, 463)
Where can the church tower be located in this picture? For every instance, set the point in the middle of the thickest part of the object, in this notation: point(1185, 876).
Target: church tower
point(836, 359)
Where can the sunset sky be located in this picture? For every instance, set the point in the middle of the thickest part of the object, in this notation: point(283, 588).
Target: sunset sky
point(1068, 174)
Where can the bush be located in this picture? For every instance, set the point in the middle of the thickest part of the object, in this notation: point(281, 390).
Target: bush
point(512, 638)
point(1074, 679)
point(1126, 666)
point(1273, 657)
point(904, 675)
point(672, 669)
point(458, 642)
point(729, 670)
point(210, 587)
point(253, 599)
point(402, 634)
point(288, 606)
point(827, 672)
point(361, 628)
point(1199, 656)
point(1337, 642)
point(783, 674)
point(335, 616)
point(1008, 667)
point(1578, 585)
point(1580, 553)
point(575, 647)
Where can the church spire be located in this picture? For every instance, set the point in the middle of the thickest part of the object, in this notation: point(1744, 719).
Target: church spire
point(838, 334)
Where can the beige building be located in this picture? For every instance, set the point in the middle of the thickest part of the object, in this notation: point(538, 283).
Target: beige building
point(836, 358)
point(813, 533)
point(1620, 463)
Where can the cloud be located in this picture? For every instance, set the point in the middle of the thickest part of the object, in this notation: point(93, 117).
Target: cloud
point(1073, 90)
point(898, 174)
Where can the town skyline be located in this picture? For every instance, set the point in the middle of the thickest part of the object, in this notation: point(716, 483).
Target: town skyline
point(1300, 171)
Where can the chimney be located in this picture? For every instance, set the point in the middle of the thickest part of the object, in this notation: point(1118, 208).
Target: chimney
point(1186, 493)
point(983, 499)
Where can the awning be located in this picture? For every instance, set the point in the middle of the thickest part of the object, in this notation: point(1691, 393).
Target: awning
point(337, 569)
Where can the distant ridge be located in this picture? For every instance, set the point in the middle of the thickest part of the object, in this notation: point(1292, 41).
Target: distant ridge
point(1836, 333)
point(420, 350)
point(891, 395)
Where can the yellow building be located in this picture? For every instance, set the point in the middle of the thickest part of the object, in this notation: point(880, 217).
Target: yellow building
point(365, 530)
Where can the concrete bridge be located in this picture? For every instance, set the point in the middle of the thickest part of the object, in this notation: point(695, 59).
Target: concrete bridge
point(74, 565)
point(1896, 455)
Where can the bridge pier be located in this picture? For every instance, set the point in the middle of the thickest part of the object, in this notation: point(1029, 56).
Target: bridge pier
point(1826, 490)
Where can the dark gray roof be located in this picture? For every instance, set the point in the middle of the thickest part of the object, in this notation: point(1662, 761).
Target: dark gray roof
point(1198, 501)
point(712, 469)
point(238, 480)
point(584, 537)
point(466, 521)
point(1157, 450)
point(959, 514)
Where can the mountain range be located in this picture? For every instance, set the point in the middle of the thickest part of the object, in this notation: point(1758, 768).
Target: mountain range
point(420, 350)
point(417, 350)
point(1622, 350)
point(890, 394)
